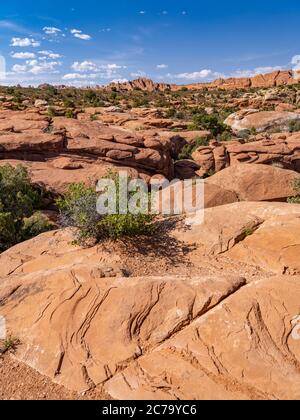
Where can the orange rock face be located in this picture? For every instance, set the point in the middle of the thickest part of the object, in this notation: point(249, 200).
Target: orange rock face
point(280, 149)
point(276, 78)
point(85, 325)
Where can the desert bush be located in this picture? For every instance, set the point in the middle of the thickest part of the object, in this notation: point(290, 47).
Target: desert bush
point(19, 200)
point(208, 122)
point(51, 112)
point(70, 114)
point(189, 149)
point(78, 208)
point(294, 126)
point(296, 185)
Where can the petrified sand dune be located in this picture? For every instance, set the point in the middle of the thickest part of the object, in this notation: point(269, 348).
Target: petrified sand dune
point(72, 332)
point(243, 349)
point(84, 324)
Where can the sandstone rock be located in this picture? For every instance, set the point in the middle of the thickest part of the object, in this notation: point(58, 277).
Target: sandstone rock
point(245, 349)
point(226, 226)
point(186, 169)
point(172, 197)
point(260, 120)
point(55, 175)
point(281, 149)
point(275, 246)
point(40, 103)
point(276, 78)
point(67, 324)
point(30, 142)
point(141, 84)
point(257, 182)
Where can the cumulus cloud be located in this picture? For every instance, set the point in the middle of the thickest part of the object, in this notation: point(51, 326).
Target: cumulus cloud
point(35, 67)
point(74, 76)
point(79, 34)
point(196, 75)
point(84, 66)
point(162, 66)
point(103, 71)
point(24, 42)
point(17, 68)
point(139, 73)
point(50, 30)
point(256, 71)
point(49, 54)
point(23, 55)
point(119, 81)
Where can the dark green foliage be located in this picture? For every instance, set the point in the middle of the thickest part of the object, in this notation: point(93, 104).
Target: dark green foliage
point(213, 123)
point(78, 209)
point(189, 149)
point(296, 185)
point(18, 203)
point(294, 126)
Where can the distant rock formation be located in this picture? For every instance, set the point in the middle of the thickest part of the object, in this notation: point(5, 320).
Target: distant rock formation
point(142, 84)
point(276, 78)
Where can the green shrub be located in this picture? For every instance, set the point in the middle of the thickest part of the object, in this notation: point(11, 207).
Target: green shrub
point(35, 225)
point(296, 185)
point(69, 113)
point(208, 122)
point(51, 112)
point(189, 149)
point(18, 203)
point(294, 126)
point(78, 209)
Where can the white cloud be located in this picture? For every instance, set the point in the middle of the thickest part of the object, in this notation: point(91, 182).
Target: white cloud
point(139, 73)
point(35, 67)
point(24, 42)
point(51, 30)
point(256, 71)
point(119, 81)
point(49, 54)
point(78, 34)
point(196, 75)
point(142, 12)
point(17, 68)
point(84, 66)
point(162, 66)
point(74, 76)
point(103, 71)
point(23, 55)
point(46, 67)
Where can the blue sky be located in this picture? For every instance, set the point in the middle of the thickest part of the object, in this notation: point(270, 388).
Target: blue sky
point(94, 41)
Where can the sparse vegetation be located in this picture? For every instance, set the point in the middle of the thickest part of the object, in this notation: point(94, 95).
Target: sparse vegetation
point(296, 186)
point(78, 209)
point(189, 149)
point(10, 344)
point(19, 201)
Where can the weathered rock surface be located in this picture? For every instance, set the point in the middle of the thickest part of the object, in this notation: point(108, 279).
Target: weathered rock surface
point(274, 246)
point(257, 182)
point(65, 313)
point(280, 149)
point(245, 348)
point(228, 339)
point(226, 226)
point(261, 120)
point(64, 145)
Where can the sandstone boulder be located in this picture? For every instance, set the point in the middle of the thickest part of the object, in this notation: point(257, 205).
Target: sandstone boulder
point(247, 348)
point(257, 182)
point(274, 246)
point(260, 120)
point(226, 226)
